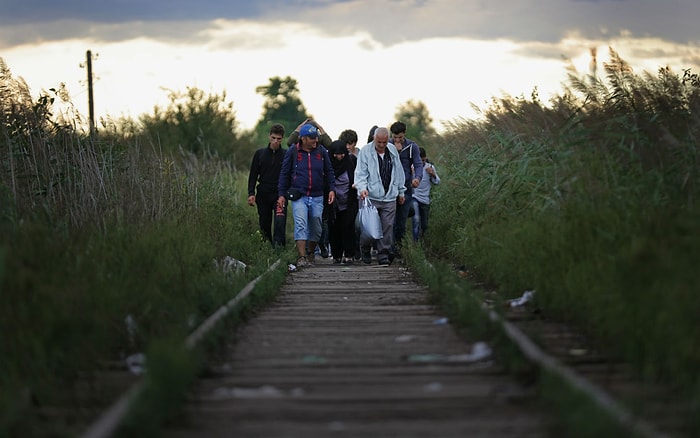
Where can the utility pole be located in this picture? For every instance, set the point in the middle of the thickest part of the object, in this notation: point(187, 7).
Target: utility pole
point(91, 103)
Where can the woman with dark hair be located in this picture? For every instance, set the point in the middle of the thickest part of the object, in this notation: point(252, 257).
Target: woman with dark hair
point(341, 220)
point(370, 138)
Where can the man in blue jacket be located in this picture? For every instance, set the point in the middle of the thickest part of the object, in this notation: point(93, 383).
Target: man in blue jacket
point(306, 174)
point(412, 165)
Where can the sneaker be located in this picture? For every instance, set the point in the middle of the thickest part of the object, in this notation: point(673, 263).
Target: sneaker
point(384, 261)
point(366, 257)
point(336, 261)
point(311, 259)
point(302, 262)
point(324, 253)
point(347, 260)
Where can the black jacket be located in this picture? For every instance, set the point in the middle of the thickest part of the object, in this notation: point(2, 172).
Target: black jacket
point(265, 170)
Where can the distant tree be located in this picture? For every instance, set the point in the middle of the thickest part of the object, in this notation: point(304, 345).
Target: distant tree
point(197, 122)
point(419, 124)
point(282, 105)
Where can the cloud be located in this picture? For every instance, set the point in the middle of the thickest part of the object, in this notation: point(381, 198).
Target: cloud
point(72, 29)
point(449, 54)
point(387, 21)
point(118, 11)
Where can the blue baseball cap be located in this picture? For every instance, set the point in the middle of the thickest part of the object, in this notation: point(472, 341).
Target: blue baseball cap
point(308, 130)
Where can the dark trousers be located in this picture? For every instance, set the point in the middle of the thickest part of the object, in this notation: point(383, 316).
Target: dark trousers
point(325, 237)
point(267, 213)
point(341, 230)
point(402, 211)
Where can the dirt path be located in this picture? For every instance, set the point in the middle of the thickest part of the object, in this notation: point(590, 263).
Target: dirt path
point(355, 351)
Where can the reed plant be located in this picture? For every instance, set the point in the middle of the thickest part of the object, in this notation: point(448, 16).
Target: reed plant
point(108, 246)
point(591, 200)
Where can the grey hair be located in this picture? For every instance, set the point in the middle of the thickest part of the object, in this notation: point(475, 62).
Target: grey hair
point(381, 130)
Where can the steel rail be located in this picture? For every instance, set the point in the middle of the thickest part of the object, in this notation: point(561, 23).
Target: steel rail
point(110, 420)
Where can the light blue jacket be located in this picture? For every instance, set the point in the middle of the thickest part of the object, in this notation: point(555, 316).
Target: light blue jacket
point(367, 174)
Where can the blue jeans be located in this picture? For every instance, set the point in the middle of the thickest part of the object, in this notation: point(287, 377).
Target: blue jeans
point(307, 212)
point(419, 219)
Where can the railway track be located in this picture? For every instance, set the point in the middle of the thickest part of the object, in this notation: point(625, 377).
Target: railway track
point(645, 408)
point(357, 350)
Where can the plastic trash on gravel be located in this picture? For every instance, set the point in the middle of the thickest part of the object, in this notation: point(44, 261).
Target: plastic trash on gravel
point(264, 391)
point(136, 363)
point(433, 387)
point(230, 265)
point(527, 296)
point(480, 351)
point(313, 359)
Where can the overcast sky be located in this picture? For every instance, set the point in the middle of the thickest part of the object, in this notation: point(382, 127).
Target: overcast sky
point(355, 60)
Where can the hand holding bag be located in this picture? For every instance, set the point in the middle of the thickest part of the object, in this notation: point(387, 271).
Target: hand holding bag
point(370, 224)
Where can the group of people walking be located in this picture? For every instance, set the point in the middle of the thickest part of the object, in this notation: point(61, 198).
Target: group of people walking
point(325, 182)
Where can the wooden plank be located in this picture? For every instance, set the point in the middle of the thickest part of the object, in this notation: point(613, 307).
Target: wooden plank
point(355, 348)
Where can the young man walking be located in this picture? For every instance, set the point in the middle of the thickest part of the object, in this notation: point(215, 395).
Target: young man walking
point(265, 171)
point(421, 197)
point(409, 154)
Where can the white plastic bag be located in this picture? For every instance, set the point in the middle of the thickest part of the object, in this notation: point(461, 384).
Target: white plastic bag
point(370, 224)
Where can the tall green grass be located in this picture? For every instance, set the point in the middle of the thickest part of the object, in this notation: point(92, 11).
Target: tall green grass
point(591, 200)
point(95, 230)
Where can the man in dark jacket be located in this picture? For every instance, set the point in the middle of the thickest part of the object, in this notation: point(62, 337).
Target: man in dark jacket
point(306, 175)
point(265, 171)
point(409, 153)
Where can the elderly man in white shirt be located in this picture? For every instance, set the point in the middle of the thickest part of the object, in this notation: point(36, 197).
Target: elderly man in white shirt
point(379, 176)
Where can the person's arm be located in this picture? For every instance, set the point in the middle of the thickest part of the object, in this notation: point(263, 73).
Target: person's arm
point(360, 176)
point(294, 135)
point(330, 175)
point(400, 179)
point(398, 176)
point(253, 177)
point(323, 136)
point(417, 165)
point(325, 139)
point(328, 172)
point(293, 138)
point(284, 180)
point(434, 178)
